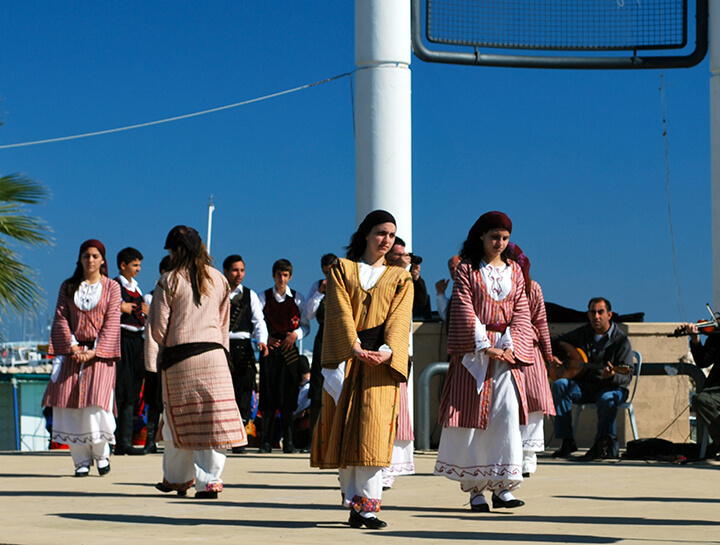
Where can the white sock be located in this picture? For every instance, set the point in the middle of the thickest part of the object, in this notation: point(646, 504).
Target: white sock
point(82, 469)
point(478, 499)
point(367, 515)
point(505, 495)
point(103, 463)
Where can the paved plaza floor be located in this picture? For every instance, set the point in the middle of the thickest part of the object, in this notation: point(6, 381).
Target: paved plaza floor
point(277, 498)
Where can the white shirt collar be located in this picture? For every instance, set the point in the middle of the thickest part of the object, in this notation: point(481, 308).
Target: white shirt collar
point(130, 285)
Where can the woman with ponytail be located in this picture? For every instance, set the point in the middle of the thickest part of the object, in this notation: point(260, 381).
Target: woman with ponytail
point(189, 319)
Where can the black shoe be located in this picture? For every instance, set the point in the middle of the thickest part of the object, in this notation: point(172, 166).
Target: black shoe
point(526, 475)
point(356, 520)
point(129, 450)
point(104, 470)
point(265, 448)
point(162, 487)
point(480, 507)
point(566, 449)
point(206, 495)
point(79, 473)
point(510, 504)
point(239, 450)
point(289, 449)
point(605, 448)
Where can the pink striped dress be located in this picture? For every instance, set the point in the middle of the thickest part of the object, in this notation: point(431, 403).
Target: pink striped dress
point(537, 386)
point(481, 446)
point(94, 386)
point(460, 405)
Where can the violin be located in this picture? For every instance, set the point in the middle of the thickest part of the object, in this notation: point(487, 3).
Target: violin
point(705, 327)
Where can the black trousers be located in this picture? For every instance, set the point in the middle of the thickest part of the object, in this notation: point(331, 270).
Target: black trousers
point(130, 370)
point(279, 382)
point(243, 374)
point(707, 406)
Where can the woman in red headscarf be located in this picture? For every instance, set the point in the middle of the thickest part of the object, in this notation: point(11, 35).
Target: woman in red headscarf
point(489, 339)
point(85, 341)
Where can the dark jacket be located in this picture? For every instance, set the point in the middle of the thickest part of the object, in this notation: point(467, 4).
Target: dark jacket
point(613, 347)
point(707, 355)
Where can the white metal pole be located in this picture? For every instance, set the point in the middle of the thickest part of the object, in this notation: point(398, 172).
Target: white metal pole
point(383, 152)
point(211, 209)
point(383, 121)
point(714, 38)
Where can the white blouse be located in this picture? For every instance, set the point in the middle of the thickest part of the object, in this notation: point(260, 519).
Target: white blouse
point(87, 295)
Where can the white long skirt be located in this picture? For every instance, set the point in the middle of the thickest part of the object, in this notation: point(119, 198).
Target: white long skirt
point(533, 441)
point(82, 426)
point(402, 462)
point(89, 432)
point(488, 459)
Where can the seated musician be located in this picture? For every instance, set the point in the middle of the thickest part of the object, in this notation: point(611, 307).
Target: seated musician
point(608, 351)
point(706, 403)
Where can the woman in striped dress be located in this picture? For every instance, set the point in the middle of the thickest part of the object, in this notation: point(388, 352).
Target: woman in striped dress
point(537, 386)
point(85, 341)
point(489, 339)
point(189, 319)
point(368, 314)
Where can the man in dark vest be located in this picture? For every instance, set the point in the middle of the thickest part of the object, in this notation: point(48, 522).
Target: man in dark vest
point(246, 323)
point(131, 369)
point(279, 379)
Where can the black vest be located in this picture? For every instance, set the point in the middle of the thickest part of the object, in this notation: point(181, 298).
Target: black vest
point(136, 318)
point(240, 312)
point(281, 318)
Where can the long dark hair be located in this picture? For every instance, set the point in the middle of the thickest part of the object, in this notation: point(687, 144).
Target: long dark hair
point(473, 248)
point(190, 259)
point(358, 241)
point(73, 283)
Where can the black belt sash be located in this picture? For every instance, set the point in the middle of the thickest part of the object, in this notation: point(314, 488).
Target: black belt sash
point(373, 338)
point(175, 354)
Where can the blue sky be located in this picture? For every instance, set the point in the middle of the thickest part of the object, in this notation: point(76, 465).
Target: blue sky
point(576, 158)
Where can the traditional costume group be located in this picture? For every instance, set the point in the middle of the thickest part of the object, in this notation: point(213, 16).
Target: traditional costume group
point(491, 410)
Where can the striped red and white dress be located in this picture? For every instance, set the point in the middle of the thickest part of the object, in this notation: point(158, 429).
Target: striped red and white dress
point(481, 445)
point(537, 386)
point(197, 392)
point(88, 385)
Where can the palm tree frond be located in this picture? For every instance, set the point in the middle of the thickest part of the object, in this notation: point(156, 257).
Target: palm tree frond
point(18, 285)
point(15, 224)
point(18, 188)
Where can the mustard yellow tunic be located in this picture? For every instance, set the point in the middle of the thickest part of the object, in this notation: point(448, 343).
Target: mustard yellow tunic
point(360, 430)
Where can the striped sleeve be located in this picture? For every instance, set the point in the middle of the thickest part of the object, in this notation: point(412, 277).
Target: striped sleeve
point(339, 338)
point(398, 324)
point(108, 338)
point(520, 323)
point(61, 333)
point(539, 320)
point(461, 333)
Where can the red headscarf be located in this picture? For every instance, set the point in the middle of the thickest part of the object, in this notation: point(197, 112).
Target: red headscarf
point(519, 257)
point(100, 247)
